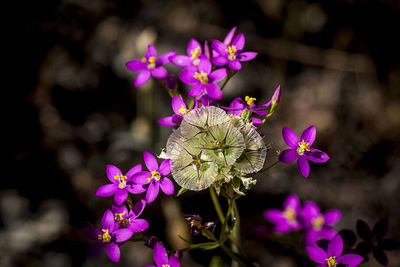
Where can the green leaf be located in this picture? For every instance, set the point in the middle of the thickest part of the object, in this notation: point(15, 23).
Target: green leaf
point(205, 246)
point(181, 191)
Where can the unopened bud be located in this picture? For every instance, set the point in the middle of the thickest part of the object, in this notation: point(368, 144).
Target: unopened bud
point(170, 82)
point(277, 95)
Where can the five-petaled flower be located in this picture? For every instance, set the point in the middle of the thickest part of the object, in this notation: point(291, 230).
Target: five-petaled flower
point(316, 224)
point(155, 177)
point(231, 53)
point(333, 256)
point(108, 237)
point(149, 65)
point(203, 79)
point(196, 223)
point(129, 219)
point(180, 109)
point(120, 184)
point(161, 258)
point(287, 219)
point(300, 149)
point(194, 51)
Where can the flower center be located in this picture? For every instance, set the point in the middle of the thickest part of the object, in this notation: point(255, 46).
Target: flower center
point(317, 223)
point(118, 216)
point(303, 146)
point(196, 223)
point(121, 178)
point(290, 215)
point(183, 110)
point(195, 53)
point(154, 174)
point(165, 265)
point(202, 77)
point(249, 100)
point(232, 52)
point(331, 261)
point(105, 236)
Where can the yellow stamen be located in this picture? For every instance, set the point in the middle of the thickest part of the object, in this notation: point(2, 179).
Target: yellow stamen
point(249, 100)
point(143, 59)
point(183, 110)
point(202, 76)
point(121, 178)
point(152, 63)
point(196, 223)
point(105, 237)
point(165, 265)
point(156, 175)
point(303, 146)
point(290, 215)
point(331, 261)
point(317, 223)
point(232, 52)
point(195, 53)
point(118, 216)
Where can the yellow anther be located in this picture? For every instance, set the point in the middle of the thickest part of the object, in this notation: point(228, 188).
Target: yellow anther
point(196, 223)
point(202, 76)
point(119, 177)
point(249, 100)
point(105, 236)
point(151, 64)
point(195, 53)
point(290, 215)
point(232, 52)
point(155, 174)
point(118, 216)
point(143, 59)
point(331, 261)
point(303, 146)
point(165, 265)
point(317, 223)
point(183, 110)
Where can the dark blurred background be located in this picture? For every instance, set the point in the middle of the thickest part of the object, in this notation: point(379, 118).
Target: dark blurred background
point(76, 110)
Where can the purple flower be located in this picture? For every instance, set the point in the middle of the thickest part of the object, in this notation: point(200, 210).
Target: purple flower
point(287, 219)
point(108, 237)
point(161, 258)
point(231, 54)
point(318, 225)
point(196, 223)
point(206, 101)
point(333, 255)
point(170, 82)
point(203, 79)
point(238, 105)
point(129, 219)
point(120, 184)
point(155, 177)
point(301, 150)
point(194, 51)
point(149, 65)
point(180, 109)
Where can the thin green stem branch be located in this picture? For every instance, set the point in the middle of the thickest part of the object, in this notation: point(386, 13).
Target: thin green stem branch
point(217, 206)
point(269, 167)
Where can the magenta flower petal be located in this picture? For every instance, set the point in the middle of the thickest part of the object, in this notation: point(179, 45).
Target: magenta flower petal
point(165, 167)
point(107, 222)
point(327, 233)
point(316, 155)
point(335, 246)
point(137, 168)
point(113, 252)
point(123, 234)
point(290, 137)
point(292, 201)
point(139, 225)
point(167, 186)
point(256, 121)
point(167, 121)
point(311, 237)
point(142, 78)
point(218, 75)
point(193, 44)
point(274, 215)
point(196, 90)
point(310, 210)
point(92, 232)
point(350, 259)
point(136, 65)
point(332, 216)
point(160, 255)
point(219, 47)
point(235, 65)
point(141, 178)
point(174, 262)
point(204, 65)
point(112, 171)
point(303, 166)
point(238, 42)
point(106, 190)
point(151, 52)
point(180, 60)
point(229, 36)
point(213, 91)
point(120, 196)
point(135, 189)
point(152, 192)
point(95, 249)
point(150, 161)
point(177, 103)
point(282, 228)
point(159, 72)
point(219, 61)
point(177, 119)
point(165, 58)
point(317, 254)
point(246, 56)
point(187, 75)
point(138, 208)
point(308, 135)
point(288, 155)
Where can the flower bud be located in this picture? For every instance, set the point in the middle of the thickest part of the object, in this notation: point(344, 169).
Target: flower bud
point(277, 95)
point(170, 82)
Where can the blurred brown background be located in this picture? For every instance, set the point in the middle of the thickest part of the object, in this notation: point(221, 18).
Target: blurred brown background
point(76, 110)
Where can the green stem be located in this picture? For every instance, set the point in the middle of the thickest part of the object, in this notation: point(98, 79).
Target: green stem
point(228, 77)
point(269, 167)
point(217, 207)
point(225, 222)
